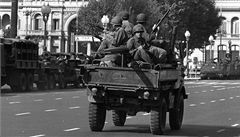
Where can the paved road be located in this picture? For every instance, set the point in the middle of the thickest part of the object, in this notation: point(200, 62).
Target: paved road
point(212, 110)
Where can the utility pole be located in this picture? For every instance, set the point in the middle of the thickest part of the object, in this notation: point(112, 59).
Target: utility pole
point(14, 18)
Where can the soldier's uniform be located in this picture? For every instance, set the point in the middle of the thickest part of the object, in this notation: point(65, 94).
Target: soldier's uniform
point(142, 51)
point(119, 38)
point(126, 25)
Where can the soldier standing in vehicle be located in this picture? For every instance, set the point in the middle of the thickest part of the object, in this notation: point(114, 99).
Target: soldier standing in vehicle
point(119, 38)
point(127, 26)
point(141, 50)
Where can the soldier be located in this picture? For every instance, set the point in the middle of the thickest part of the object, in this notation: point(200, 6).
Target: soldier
point(118, 38)
point(141, 20)
point(143, 51)
point(128, 26)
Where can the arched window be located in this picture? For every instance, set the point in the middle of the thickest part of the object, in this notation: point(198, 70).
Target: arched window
point(37, 22)
point(223, 27)
point(5, 21)
point(235, 27)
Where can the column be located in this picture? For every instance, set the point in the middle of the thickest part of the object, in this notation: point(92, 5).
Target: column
point(0, 22)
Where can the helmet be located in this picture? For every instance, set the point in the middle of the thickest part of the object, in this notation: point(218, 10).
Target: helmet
point(141, 18)
point(138, 28)
point(125, 15)
point(116, 21)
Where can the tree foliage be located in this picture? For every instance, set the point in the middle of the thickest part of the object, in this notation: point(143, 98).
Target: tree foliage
point(200, 17)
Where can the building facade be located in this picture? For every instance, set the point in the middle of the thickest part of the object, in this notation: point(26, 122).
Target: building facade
point(61, 24)
point(62, 21)
point(228, 35)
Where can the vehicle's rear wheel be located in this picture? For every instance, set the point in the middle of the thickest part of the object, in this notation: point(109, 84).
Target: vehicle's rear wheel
point(158, 118)
point(119, 117)
point(30, 82)
point(62, 83)
point(51, 82)
point(97, 116)
point(176, 114)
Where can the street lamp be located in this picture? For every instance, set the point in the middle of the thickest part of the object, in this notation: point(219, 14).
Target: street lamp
point(27, 12)
point(105, 21)
point(45, 12)
point(211, 40)
point(187, 35)
point(230, 48)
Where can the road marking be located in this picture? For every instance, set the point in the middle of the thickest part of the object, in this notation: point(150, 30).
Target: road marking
point(50, 110)
point(192, 105)
point(42, 135)
point(221, 130)
point(204, 91)
point(74, 107)
point(58, 98)
point(128, 117)
point(202, 103)
point(37, 100)
point(14, 102)
point(231, 97)
point(72, 129)
point(213, 101)
point(145, 114)
point(21, 114)
point(212, 90)
point(234, 125)
point(75, 97)
point(223, 99)
point(237, 96)
point(218, 86)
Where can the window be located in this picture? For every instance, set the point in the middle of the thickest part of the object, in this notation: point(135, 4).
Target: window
point(235, 26)
point(56, 24)
point(38, 22)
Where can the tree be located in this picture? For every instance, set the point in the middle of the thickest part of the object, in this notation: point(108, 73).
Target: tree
point(200, 17)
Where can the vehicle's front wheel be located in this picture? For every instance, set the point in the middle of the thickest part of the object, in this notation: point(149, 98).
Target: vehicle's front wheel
point(23, 82)
point(176, 114)
point(119, 117)
point(97, 116)
point(158, 118)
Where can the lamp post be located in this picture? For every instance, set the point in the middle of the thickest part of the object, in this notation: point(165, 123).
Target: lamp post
point(105, 21)
point(230, 48)
point(211, 40)
point(45, 12)
point(27, 12)
point(187, 35)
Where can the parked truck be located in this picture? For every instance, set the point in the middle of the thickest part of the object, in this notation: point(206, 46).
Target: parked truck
point(19, 60)
point(22, 66)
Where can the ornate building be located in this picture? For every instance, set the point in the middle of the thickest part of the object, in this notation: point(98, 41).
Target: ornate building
point(228, 35)
point(60, 25)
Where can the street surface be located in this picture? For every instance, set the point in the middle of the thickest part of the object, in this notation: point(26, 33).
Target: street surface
point(212, 110)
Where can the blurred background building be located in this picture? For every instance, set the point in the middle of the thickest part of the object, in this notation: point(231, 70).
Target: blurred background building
point(63, 17)
point(61, 24)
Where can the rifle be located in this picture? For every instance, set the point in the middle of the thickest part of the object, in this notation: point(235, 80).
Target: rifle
point(159, 22)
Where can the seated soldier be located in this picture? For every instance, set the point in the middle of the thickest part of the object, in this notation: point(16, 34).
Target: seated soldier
point(143, 51)
point(119, 38)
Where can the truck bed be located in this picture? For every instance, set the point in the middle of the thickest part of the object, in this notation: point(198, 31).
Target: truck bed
point(130, 77)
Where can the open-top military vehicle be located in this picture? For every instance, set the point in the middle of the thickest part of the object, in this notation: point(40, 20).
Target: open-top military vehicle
point(141, 87)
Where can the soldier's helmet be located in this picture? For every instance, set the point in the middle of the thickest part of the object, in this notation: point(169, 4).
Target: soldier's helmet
point(138, 28)
point(125, 15)
point(116, 21)
point(141, 18)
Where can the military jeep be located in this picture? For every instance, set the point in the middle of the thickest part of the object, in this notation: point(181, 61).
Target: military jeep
point(140, 88)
